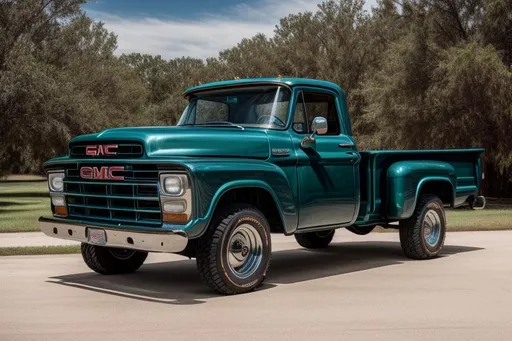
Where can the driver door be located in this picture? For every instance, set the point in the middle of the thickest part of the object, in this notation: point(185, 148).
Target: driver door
point(327, 171)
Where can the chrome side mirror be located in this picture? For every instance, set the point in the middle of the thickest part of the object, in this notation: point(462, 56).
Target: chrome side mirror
point(318, 126)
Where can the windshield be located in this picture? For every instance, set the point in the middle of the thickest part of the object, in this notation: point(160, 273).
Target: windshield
point(257, 106)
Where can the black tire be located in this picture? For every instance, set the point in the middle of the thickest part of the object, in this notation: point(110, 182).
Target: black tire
point(111, 261)
point(215, 250)
point(315, 240)
point(415, 243)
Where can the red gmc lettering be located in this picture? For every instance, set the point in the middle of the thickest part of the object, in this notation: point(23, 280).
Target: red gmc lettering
point(95, 150)
point(99, 173)
point(102, 173)
point(108, 148)
point(111, 171)
point(86, 173)
point(90, 150)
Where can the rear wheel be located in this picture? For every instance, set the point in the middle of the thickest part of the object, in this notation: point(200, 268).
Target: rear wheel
point(233, 256)
point(110, 261)
point(422, 235)
point(315, 240)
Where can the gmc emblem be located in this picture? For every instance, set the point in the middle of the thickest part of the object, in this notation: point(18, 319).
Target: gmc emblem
point(102, 173)
point(95, 150)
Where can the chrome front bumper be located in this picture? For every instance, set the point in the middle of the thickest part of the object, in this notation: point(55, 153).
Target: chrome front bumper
point(171, 242)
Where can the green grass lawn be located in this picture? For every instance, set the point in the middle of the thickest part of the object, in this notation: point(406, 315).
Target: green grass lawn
point(39, 250)
point(21, 204)
point(486, 219)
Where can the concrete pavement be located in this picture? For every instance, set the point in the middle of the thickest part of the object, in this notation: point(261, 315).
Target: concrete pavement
point(360, 288)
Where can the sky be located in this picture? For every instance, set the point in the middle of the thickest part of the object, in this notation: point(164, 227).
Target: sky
point(192, 28)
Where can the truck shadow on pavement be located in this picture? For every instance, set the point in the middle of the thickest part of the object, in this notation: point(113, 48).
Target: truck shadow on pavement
point(178, 282)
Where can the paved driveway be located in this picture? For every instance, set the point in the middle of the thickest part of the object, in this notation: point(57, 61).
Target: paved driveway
point(361, 288)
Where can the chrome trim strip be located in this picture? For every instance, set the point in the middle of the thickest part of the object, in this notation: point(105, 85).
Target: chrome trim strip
point(168, 241)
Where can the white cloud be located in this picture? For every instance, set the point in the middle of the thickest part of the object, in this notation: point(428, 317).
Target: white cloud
point(270, 11)
point(201, 37)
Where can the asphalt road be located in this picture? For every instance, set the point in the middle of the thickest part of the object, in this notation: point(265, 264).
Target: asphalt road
point(361, 288)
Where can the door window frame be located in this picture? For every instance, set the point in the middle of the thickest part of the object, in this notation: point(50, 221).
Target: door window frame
point(298, 95)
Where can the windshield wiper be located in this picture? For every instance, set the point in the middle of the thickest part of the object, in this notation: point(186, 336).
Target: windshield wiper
point(218, 123)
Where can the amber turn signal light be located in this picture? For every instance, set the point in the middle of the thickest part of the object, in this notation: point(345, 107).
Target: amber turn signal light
point(61, 211)
point(175, 217)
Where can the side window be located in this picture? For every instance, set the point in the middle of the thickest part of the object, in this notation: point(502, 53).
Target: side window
point(324, 105)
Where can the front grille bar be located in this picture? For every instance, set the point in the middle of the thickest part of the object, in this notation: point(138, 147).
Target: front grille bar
point(96, 218)
point(113, 208)
point(109, 196)
point(114, 202)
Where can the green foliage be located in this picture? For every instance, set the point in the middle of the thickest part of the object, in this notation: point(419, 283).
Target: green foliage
point(444, 82)
point(417, 74)
point(476, 108)
point(58, 78)
point(496, 27)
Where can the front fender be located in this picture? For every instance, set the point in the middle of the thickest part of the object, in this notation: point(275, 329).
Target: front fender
point(404, 182)
point(212, 179)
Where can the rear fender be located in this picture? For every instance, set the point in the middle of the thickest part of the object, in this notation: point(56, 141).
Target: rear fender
point(406, 180)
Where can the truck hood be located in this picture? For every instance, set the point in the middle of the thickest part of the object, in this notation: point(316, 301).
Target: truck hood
point(188, 141)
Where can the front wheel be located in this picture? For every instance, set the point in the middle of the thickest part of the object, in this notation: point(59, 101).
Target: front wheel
point(110, 261)
point(315, 240)
point(233, 256)
point(422, 235)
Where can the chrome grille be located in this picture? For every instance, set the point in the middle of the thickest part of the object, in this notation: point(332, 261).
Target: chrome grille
point(134, 201)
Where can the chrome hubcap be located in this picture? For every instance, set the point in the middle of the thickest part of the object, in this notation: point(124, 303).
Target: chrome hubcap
point(245, 251)
point(431, 228)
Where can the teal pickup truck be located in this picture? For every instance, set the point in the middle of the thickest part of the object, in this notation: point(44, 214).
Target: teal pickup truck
point(248, 158)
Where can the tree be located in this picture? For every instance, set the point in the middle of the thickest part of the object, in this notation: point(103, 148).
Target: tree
point(396, 92)
point(496, 27)
point(58, 78)
point(417, 74)
point(469, 111)
point(254, 57)
point(436, 86)
point(165, 82)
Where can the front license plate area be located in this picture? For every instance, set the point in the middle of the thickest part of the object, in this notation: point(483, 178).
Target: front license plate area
point(97, 237)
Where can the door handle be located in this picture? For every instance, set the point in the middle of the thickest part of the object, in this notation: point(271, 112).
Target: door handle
point(345, 145)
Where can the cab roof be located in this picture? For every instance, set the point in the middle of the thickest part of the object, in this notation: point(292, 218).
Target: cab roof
point(290, 82)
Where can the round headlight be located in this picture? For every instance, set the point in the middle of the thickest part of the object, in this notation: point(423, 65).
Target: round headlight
point(173, 185)
point(56, 182)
